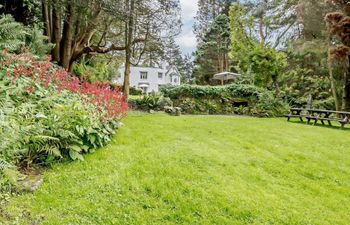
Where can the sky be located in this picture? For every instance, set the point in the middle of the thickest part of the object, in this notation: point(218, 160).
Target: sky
point(187, 40)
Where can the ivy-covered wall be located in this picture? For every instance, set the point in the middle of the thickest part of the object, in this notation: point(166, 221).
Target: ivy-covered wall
point(230, 99)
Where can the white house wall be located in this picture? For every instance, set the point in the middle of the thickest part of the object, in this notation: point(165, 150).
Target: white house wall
point(152, 77)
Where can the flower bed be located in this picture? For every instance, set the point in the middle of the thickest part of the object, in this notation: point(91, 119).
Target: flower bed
point(47, 114)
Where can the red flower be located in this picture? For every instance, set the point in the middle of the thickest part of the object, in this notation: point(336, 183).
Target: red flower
point(111, 103)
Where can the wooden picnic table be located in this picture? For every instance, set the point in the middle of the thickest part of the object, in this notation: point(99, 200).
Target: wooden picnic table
point(320, 115)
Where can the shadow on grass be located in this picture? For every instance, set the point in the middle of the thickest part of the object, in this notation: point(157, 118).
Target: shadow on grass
point(334, 126)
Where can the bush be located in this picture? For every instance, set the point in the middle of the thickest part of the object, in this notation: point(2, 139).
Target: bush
point(153, 101)
point(14, 36)
point(135, 91)
point(195, 99)
point(268, 105)
point(48, 115)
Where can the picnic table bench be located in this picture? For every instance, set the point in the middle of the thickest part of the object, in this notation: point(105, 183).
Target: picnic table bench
point(321, 115)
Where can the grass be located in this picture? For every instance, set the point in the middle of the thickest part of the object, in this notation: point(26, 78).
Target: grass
point(135, 97)
point(200, 170)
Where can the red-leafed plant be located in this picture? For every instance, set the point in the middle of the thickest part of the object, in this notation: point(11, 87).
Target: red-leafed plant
point(110, 101)
point(47, 114)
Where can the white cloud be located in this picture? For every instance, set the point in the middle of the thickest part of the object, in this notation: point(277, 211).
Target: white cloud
point(189, 9)
point(187, 39)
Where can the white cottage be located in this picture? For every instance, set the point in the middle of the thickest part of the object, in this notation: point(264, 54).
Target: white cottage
point(150, 78)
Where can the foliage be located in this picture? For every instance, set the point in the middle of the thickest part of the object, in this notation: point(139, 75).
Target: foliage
point(97, 72)
point(211, 56)
point(251, 57)
point(196, 91)
point(220, 99)
point(47, 114)
point(135, 91)
point(266, 65)
point(272, 23)
point(307, 75)
point(100, 68)
point(208, 10)
point(338, 22)
point(27, 12)
point(153, 101)
point(14, 36)
point(241, 43)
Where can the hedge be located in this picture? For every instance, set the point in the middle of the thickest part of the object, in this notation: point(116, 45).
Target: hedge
point(195, 99)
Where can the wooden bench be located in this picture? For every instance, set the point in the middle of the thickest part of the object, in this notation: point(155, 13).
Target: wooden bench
point(321, 115)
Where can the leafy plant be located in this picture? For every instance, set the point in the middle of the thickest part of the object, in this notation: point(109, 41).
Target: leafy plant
point(135, 91)
point(14, 36)
point(154, 101)
point(48, 115)
point(219, 99)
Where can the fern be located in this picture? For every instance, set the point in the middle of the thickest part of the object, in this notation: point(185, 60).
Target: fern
point(12, 34)
point(38, 43)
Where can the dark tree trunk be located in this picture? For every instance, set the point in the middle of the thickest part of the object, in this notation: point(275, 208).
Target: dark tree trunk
point(46, 19)
point(346, 88)
point(67, 39)
point(56, 35)
point(129, 33)
point(71, 31)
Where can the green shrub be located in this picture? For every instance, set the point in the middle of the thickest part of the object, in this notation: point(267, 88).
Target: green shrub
point(153, 101)
point(135, 91)
point(268, 105)
point(47, 115)
point(14, 36)
point(194, 99)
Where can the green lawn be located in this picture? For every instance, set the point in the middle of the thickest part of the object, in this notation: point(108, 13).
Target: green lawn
point(200, 170)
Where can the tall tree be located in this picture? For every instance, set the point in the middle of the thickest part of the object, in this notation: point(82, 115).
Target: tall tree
point(273, 21)
point(129, 35)
point(251, 53)
point(211, 56)
point(338, 23)
point(153, 21)
point(310, 14)
point(70, 26)
point(310, 52)
point(79, 27)
point(173, 56)
point(208, 10)
point(188, 69)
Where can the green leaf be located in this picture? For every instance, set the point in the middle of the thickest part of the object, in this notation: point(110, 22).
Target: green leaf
point(85, 148)
point(75, 155)
point(92, 138)
point(40, 116)
point(75, 148)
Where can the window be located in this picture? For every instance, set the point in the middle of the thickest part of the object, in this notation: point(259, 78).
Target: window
point(160, 75)
point(144, 90)
point(175, 80)
point(143, 75)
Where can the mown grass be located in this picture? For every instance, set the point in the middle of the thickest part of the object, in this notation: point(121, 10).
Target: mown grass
point(135, 97)
point(200, 170)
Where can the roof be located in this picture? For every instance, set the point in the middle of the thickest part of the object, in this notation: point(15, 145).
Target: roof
point(163, 70)
point(226, 76)
point(173, 68)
